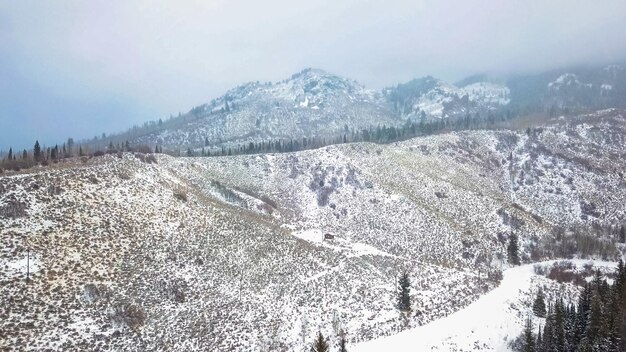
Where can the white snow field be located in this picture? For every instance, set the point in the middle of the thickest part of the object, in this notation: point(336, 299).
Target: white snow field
point(487, 324)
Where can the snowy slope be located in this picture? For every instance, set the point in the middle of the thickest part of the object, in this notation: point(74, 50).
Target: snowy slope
point(227, 253)
point(487, 324)
point(429, 98)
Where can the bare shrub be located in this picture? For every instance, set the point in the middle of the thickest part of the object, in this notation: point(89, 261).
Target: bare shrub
point(93, 293)
point(128, 315)
point(180, 195)
point(13, 209)
point(54, 190)
point(565, 271)
point(18, 165)
point(227, 193)
point(141, 157)
point(144, 149)
point(151, 159)
point(175, 290)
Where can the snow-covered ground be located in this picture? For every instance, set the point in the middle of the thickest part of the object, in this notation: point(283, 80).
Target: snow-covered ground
point(227, 253)
point(487, 324)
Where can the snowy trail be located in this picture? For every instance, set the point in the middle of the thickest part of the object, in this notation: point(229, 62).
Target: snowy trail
point(486, 324)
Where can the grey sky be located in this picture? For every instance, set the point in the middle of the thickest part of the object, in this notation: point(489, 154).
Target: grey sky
point(80, 68)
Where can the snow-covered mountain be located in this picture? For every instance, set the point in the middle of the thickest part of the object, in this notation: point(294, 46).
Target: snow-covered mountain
point(317, 104)
point(428, 98)
point(314, 103)
point(311, 103)
point(574, 89)
point(227, 253)
point(595, 88)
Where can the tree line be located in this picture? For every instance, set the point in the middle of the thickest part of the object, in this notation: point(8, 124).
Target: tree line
point(596, 323)
point(40, 155)
point(381, 134)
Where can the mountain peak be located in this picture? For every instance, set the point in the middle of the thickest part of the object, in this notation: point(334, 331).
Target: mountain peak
point(311, 71)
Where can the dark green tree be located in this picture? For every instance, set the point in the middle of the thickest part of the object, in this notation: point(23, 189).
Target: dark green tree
point(529, 338)
point(320, 344)
point(342, 342)
point(539, 343)
point(539, 306)
point(37, 151)
point(513, 250)
point(404, 292)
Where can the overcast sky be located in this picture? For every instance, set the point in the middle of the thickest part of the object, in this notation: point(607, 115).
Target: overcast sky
point(80, 68)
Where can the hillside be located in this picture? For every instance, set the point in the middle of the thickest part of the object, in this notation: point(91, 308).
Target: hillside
point(226, 253)
point(494, 320)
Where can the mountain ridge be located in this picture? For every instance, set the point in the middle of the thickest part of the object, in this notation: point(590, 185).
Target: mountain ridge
point(313, 103)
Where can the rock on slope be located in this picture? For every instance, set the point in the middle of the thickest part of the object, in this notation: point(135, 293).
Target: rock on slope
point(226, 253)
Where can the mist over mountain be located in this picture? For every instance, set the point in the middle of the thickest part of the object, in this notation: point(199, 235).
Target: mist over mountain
point(319, 176)
point(316, 104)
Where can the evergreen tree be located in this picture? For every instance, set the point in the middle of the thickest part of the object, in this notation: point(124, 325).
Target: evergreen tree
point(594, 325)
point(622, 234)
point(539, 343)
point(548, 331)
point(37, 151)
point(70, 146)
point(570, 328)
point(10, 153)
point(342, 342)
point(539, 306)
point(320, 344)
point(513, 250)
point(558, 329)
point(404, 291)
point(529, 338)
point(80, 151)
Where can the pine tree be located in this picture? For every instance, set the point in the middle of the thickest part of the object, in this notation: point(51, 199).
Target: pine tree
point(404, 291)
point(513, 250)
point(342, 341)
point(539, 343)
point(548, 331)
point(10, 153)
point(37, 151)
point(558, 332)
point(594, 326)
point(529, 338)
point(622, 234)
point(320, 344)
point(539, 306)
